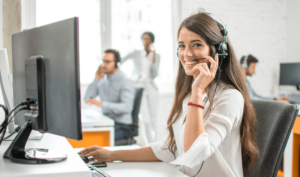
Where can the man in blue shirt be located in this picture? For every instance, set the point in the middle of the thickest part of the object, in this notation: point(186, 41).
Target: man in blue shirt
point(116, 92)
point(248, 64)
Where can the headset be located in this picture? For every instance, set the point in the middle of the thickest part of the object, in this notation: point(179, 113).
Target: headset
point(245, 62)
point(117, 57)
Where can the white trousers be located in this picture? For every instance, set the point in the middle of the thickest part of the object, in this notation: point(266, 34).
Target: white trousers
point(148, 110)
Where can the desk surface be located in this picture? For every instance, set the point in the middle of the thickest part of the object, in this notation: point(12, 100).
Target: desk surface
point(73, 166)
point(92, 117)
point(138, 169)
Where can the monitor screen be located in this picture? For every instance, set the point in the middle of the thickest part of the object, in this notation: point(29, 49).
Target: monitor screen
point(289, 74)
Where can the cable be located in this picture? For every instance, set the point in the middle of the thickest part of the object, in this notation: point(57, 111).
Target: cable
point(5, 123)
point(16, 130)
point(199, 169)
point(219, 76)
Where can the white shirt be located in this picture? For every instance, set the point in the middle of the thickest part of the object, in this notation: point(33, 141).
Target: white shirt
point(145, 65)
point(219, 147)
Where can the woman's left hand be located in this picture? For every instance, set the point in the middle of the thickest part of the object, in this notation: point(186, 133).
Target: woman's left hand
point(204, 75)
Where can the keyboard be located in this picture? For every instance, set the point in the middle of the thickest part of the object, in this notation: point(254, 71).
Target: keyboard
point(96, 172)
point(99, 174)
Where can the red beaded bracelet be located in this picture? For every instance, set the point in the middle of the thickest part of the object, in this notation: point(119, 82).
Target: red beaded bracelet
point(190, 103)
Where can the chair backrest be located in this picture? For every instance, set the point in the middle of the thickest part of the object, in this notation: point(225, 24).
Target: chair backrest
point(275, 122)
point(136, 109)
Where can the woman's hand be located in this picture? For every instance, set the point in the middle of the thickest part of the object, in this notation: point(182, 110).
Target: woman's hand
point(98, 153)
point(204, 75)
point(152, 49)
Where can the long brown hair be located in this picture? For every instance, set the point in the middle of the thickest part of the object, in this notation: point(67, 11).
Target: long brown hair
point(204, 25)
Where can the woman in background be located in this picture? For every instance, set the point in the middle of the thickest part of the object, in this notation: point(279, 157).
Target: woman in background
point(146, 65)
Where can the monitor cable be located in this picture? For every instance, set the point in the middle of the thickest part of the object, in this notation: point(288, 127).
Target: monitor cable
point(3, 126)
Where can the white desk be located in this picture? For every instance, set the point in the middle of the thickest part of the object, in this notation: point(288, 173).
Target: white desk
point(138, 169)
point(73, 166)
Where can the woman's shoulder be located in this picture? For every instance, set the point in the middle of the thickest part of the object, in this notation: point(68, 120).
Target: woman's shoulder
point(230, 93)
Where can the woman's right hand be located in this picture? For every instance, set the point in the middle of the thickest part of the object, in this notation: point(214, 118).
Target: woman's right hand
point(98, 153)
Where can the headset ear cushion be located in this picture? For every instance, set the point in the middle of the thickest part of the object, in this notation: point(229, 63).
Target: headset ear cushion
point(222, 49)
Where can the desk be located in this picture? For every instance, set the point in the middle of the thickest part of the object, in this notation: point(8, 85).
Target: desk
point(97, 129)
point(138, 169)
point(291, 153)
point(73, 166)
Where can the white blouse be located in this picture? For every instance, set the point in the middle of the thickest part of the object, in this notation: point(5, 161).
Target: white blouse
point(219, 147)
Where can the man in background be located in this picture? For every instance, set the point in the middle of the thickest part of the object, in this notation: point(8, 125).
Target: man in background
point(248, 64)
point(116, 92)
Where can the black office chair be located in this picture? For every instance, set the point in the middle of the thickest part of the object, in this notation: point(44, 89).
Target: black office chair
point(133, 128)
point(275, 122)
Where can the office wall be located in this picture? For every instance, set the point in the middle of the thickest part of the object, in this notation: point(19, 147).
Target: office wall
point(293, 30)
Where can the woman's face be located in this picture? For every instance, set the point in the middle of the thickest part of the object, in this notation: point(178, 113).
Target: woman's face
point(146, 41)
point(191, 46)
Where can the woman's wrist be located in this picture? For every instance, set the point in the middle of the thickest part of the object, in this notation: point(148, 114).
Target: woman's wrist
point(113, 156)
point(196, 97)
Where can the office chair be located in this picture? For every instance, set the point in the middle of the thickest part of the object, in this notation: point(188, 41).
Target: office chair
point(275, 122)
point(133, 128)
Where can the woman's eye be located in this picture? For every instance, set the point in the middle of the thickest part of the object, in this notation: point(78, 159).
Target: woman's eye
point(180, 46)
point(197, 45)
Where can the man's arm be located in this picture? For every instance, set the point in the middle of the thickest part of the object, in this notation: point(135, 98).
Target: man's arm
point(126, 103)
point(253, 95)
point(92, 90)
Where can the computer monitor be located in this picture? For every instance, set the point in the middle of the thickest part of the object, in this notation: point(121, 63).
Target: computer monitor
point(6, 85)
point(290, 74)
point(46, 73)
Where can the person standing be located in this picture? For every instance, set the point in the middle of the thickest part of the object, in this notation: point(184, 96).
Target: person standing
point(146, 64)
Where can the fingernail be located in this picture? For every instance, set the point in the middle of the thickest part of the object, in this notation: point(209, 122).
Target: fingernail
point(90, 157)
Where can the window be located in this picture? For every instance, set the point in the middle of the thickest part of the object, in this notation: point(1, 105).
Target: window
point(88, 11)
point(130, 18)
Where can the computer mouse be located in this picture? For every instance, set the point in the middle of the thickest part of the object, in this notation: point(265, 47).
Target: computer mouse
point(84, 158)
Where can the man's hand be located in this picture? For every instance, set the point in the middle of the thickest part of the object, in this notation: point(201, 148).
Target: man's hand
point(94, 102)
point(282, 99)
point(99, 74)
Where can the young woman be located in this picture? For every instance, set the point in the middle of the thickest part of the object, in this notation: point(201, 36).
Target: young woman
point(146, 64)
point(218, 140)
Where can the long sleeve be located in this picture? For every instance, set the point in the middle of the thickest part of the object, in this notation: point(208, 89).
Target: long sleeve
point(155, 66)
point(126, 101)
point(92, 90)
point(225, 116)
point(162, 154)
point(253, 95)
point(128, 56)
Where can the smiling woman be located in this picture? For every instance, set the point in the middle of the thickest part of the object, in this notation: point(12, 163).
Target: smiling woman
point(218, 131)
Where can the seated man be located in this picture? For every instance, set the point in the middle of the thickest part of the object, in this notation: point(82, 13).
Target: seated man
point(116, 92)
point(248, 64)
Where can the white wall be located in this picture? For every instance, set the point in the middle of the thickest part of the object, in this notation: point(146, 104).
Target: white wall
point(293, 30)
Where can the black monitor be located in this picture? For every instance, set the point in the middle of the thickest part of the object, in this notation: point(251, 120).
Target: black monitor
point(46, 75)
point(290, 74)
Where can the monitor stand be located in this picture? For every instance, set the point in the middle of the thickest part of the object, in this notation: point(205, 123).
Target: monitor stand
point(16, 151)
